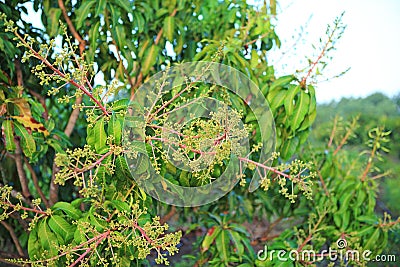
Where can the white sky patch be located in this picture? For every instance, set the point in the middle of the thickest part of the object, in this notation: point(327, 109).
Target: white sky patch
point(370, 44)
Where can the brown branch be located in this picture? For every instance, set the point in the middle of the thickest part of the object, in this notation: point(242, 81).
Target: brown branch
point(53, 198)
point(323, 183)
point(18, 71)
point(14, 238)
point(309, 237)
point(61, 74)
point(333, 131)
point(36, 183)
point(9, 204)
point(71, 27)
point(73, 118)
point(315, 63)
point(21, 172)
point(90, 249)
point(168, 215)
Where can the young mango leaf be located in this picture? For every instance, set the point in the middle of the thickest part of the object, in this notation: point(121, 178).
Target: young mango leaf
point(119, 35)
point(289, 147)
point(125, 4)
point(82, 13)
point(8, 134)
point(212, 233)
point(27, 142)
point(68, 209)
point(53, 21)
point(115, 128)
point(97, 222)
point(169, 27)
point(120, 104)
point(289, 100)
point(222, 243)
point(281, 82)
point(100, 7)
point(276, 98)
point(61, 227)
point(99, 135)
point(300, 110)
point(34, 247)
point(47, 238)
point(150, 58)
point(237, 241)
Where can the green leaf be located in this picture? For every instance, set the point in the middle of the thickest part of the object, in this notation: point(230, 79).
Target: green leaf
point(289, 147)
point(122, 170)
point(69, 210)
point(121, 206)
point(97, 222)
point(119, 35)
point(94, 34)
point(79, 236)
point(82, 13)
point(99, 135)
point(34, 247)
point(100, 7)
point(47, 238)
point(222, 243)
point(140, 23)
point(282, 82)
point(53, 21)
point(344, 202)
point(150, 58)
point(121, 104)
point(168, 29)
point(372, 240)
point(300, 110)
point(60, 226)
point(27, 142)
point(237, 241)
point(8, 134)
point(276, 98)
point(115, 128)
point(125, 4)
point(369, 219)
point(212, 233)
point(289, 100)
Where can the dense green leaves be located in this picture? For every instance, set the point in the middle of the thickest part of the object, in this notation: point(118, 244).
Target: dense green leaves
point(99, 135)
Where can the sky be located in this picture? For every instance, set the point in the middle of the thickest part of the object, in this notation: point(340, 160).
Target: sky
point(370, 45)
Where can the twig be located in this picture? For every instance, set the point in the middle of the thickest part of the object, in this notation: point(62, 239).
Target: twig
point(73, 118)
point(323, 51)
point(36, 183)
point(21, 172)
point(41, 212)
point(14, 238)
point(82, 42)
point(333, 131)
point(61, 74)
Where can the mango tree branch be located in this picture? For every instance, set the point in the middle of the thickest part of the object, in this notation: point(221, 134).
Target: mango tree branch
point(36, 183)
point(14, 238)
point(21, 172)
point(71, 27)
point(61, 74)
